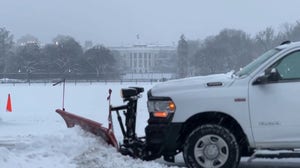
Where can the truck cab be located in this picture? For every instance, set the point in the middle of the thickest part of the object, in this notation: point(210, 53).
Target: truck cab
point(214, 120)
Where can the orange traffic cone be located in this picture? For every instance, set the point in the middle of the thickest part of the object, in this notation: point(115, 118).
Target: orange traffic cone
point(8, 105)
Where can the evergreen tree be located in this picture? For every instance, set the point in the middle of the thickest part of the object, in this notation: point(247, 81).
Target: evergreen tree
point(6, 46)
point(182, 54)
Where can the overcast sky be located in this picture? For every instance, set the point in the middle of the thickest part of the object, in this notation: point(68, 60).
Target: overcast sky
point(117, 22)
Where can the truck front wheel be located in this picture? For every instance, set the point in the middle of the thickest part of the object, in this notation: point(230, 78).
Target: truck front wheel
point(211, 146)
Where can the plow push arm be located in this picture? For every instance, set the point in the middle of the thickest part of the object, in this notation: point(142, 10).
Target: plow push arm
point(132, 145)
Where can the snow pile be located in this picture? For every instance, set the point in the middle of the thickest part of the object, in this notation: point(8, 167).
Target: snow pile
point(67, 149)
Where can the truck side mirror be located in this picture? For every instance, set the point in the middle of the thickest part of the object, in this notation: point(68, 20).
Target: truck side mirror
point(269, 76)
point(260, 80)
point(273, 75)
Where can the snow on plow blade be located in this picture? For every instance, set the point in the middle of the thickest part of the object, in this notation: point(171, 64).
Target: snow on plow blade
point(90, 126)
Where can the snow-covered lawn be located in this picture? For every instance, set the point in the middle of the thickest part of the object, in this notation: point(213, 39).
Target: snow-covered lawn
point(33, 135)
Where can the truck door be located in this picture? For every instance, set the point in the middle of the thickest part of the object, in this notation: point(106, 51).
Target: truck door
point(274, 104)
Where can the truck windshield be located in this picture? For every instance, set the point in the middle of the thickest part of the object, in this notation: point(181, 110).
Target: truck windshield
point(256, 63)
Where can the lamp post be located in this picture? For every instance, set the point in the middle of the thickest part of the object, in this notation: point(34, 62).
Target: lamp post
point(28, 75)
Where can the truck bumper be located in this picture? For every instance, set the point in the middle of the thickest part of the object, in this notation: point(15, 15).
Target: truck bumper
point(164, 140)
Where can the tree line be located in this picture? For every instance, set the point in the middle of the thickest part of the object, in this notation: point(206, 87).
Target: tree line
point(230, 49)
point(64, 57)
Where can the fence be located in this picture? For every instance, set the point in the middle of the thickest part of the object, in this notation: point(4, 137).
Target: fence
point(70, 77)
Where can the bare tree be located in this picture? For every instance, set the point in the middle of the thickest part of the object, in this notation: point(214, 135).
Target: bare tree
point(229, 50)
point(28, 56)
point(100, 60)
point(265, 40)
point(69, 53)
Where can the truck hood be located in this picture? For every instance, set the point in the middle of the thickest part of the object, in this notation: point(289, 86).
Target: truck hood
point(192, 83)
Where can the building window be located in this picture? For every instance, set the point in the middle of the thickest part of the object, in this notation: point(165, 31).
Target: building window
point(149, 62)
point(140, 62)
point(145, 62)
point(130, 59)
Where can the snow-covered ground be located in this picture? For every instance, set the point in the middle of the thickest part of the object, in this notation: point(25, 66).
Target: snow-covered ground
point(34, 136)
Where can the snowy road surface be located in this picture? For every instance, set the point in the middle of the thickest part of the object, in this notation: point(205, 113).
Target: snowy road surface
point(259, 163)
point(34, 136)
point(271, 164)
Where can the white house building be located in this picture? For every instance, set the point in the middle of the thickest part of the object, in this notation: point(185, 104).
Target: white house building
point(146, 61)
point(144, 58)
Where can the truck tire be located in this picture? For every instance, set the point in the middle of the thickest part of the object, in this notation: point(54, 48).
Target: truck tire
point(211, 146)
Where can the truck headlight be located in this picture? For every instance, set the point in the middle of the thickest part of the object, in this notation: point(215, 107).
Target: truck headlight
point(161, 108)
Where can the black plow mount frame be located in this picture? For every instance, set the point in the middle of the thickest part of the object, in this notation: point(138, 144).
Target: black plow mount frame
point(132, 145)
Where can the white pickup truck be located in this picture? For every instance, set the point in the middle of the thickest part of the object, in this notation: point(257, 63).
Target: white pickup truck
point(217, 119)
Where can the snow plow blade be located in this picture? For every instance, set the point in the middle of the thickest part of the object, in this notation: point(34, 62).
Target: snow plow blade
point(89, 126)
